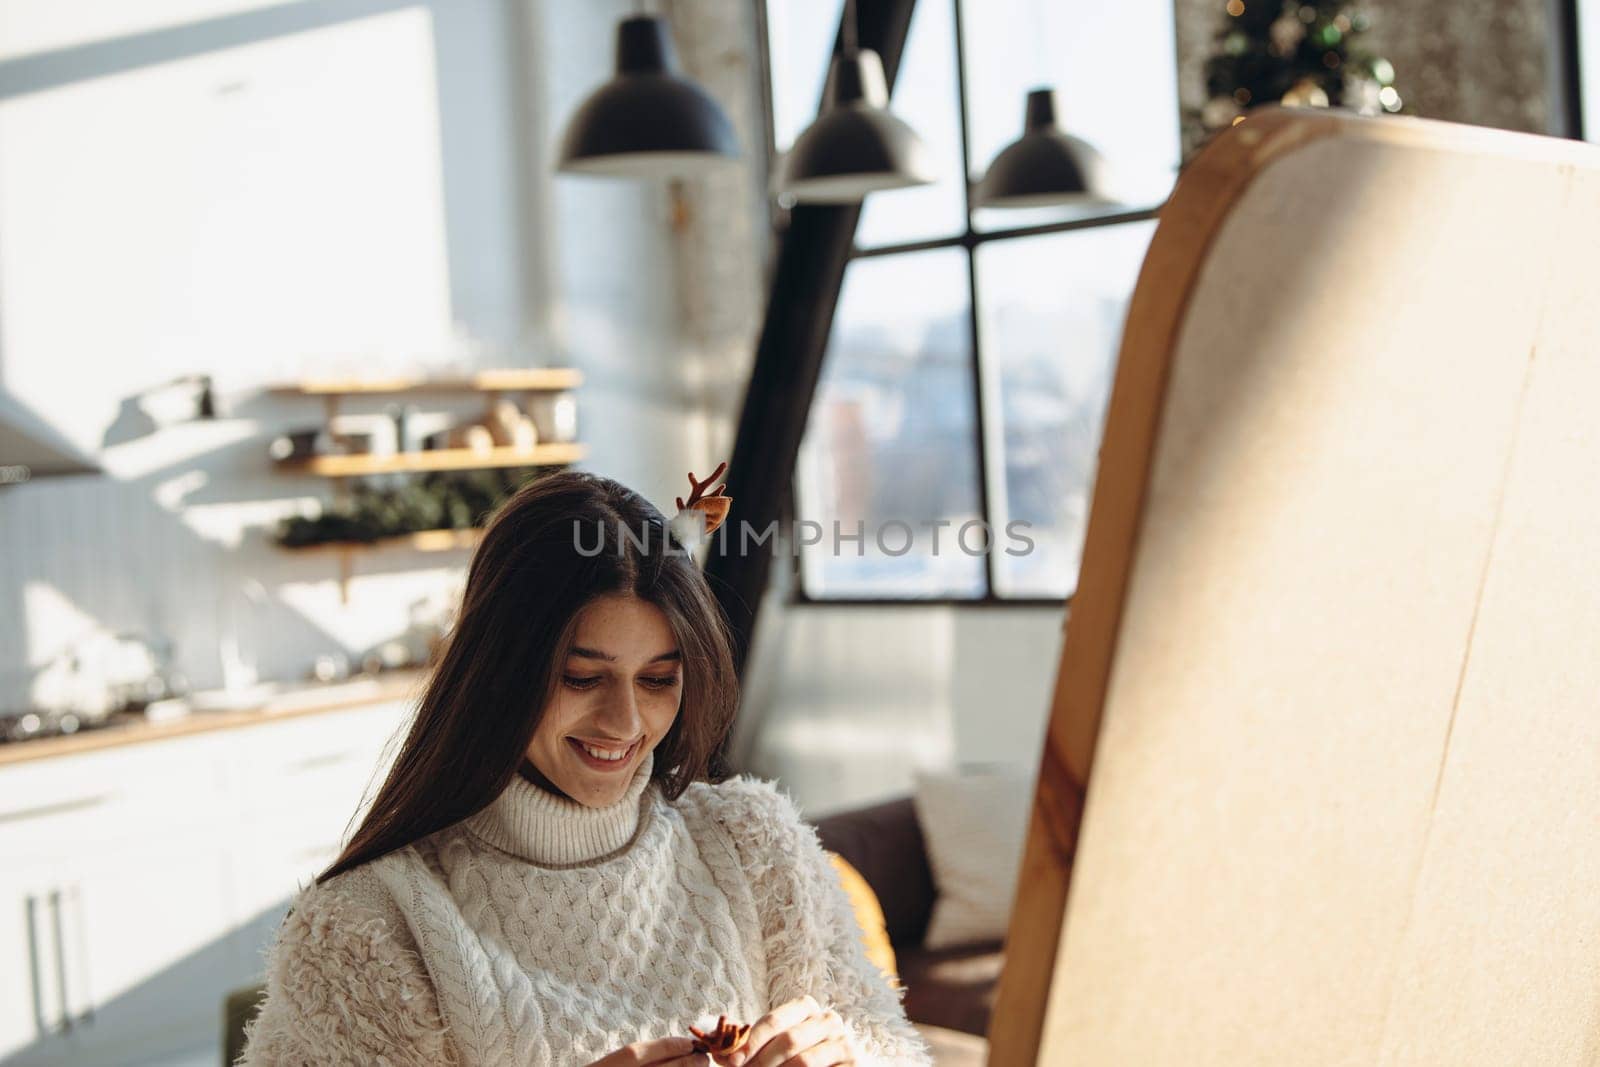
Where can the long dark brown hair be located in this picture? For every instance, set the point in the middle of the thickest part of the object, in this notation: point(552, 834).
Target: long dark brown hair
point(558, 543)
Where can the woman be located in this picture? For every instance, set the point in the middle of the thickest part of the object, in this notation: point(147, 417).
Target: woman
point(545, 876)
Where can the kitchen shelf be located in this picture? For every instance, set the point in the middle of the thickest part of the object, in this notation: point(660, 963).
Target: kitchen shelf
point(514, 380)
point(491, 385)
point(421, 541)
point(443, 459)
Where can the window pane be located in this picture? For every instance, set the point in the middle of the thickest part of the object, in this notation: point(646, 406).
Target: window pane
point(926, 98)
point(1114, 69)
point(1589, 69)
point(1050, 310)
point(800, 36)
point(891, 441)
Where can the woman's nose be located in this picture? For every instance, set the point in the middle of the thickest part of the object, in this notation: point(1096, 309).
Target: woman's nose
point(619, 718)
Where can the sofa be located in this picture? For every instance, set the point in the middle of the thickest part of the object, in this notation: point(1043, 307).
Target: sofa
point(949, 991)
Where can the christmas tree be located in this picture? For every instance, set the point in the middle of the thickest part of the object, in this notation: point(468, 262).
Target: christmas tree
point(1296, 53)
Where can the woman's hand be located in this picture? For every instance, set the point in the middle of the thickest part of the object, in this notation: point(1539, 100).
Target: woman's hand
point(666, 1051)
point(800, 1033)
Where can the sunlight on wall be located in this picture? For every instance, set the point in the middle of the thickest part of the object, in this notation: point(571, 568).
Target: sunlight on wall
point(252, 192)
point(31, 26)
point(46, 611)
point(274, 203)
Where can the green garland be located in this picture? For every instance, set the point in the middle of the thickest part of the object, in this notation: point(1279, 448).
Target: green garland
point(433, 501)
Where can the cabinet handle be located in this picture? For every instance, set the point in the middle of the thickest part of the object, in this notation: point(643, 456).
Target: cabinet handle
point(61, 960)
point(39, 812)
point(43, 1024)
point(311, 763)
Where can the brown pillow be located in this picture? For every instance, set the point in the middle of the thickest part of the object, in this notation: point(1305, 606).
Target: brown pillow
point(869, 916)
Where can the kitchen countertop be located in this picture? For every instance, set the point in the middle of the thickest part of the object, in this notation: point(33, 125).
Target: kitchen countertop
point(310, 699)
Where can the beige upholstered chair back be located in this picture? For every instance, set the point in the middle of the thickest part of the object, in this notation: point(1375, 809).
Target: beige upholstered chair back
point(1329, 701)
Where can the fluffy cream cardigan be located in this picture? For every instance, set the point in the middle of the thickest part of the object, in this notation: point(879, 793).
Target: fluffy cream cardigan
point(540, 932)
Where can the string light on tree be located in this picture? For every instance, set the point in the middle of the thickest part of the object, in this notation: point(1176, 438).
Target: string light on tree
point(1302, 54)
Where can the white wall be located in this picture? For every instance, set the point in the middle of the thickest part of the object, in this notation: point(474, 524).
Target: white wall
point(260, 192)
point(611, 242)
point(848, 701)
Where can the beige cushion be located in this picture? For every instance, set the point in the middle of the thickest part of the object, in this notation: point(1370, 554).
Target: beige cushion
point(974, 824)
point(952, 1048)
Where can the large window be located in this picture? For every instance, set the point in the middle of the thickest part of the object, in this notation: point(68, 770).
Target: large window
point(966, 378)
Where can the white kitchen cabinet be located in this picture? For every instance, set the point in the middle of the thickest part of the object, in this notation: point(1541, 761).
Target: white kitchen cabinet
point(33, 1011)
point(325, 763)
point(62, 805)
point(141, 883)
point(145, 939)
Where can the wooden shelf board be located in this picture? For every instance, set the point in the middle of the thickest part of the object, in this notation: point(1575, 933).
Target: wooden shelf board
point(422, 541)
point(444, 459)
point(530, 379)
point(442, 540)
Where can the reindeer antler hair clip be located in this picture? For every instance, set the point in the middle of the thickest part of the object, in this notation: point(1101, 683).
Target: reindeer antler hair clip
point(713, 505)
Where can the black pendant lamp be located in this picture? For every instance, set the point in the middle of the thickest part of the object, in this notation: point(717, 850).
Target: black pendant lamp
point(649, 120)
point(855, 146)
point(1047, 165)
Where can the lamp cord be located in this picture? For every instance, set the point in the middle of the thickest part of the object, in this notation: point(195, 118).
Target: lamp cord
point(1041, 37)
point(848, 29)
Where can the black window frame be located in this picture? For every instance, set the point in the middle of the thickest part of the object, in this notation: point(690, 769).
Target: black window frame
point(970, 239)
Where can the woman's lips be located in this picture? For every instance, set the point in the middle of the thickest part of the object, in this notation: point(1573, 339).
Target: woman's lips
point(600, 764)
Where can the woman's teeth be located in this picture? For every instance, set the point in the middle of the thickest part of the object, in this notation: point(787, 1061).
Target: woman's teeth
point(600, 753)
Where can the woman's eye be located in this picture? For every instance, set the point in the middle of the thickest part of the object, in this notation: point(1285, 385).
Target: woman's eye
point(577, 682)
point(661, 683)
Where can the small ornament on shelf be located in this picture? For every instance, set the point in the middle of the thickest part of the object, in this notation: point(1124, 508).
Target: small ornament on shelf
point(554, 415)
point(509, 427)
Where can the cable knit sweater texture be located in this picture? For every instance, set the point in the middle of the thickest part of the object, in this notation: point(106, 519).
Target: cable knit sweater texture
point(543, 932)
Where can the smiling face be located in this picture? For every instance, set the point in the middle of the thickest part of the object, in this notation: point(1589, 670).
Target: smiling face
point(616, 696)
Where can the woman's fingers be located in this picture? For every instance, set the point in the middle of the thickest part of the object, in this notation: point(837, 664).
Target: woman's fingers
point(770, 1025)
point(833, 1052)
point(794, 1044)
point(799, 1034)
point(693, 1059)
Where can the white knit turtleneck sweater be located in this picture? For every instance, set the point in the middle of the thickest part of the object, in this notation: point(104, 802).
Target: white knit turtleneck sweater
point(543, 932)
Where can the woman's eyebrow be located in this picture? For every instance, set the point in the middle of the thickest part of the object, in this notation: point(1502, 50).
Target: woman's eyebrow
point(594, 653)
